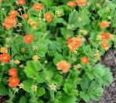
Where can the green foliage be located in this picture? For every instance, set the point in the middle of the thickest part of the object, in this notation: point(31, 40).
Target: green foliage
point(32, 69)
point(92, 84)
point(3, 90)
point(56, 47)
point(23, 100)
point(78, 19)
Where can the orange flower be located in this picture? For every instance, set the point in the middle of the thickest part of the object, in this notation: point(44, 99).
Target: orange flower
point(71, 4)
point(105, 45)
point(13, 13)
point(81, 3)
point(12, 72)
point(21, 2)
point(63, 65)
point(13, 82)
point(0, 1)
point(85, 60)
point(104, 24)
point(9, 22)
point(74, 43)
point(25, 16)
point(38, 6)
point(5, 58)
point(106, 36)
point(48, 17)
point(28, 38)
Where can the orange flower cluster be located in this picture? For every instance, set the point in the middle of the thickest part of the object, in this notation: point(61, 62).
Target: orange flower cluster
point(48, 17)
point(21, 2)
point(84, 60)
point(105, 45)
point(74, 43)
point(104, 24)
point(5, 58)
point(63, 65)
point(10, 20)
point(105, 37)
point(28, 38)
point(79, 3)
point(12, 72)
point(38, 7)
point(0, 1)
point(71, 3)
point(13, 80)
point(25, 16)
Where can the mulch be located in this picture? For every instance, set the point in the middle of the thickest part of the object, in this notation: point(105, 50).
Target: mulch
point(109, 59)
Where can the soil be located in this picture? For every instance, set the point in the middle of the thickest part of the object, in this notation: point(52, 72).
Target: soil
point(2, 99)
point(109, 59)
point(109, 96)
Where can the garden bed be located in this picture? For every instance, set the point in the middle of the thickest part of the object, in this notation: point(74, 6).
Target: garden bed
point(57, 51)
point(109, 96)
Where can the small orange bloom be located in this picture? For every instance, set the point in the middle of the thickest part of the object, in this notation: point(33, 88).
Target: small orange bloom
point(81, 3)
point(105, 45)
point(9, 22)
point(12, 72)
point(74, 43)
point(13, 13)
point(3, 50)
point(13, 82)
point(21, 2)
point(106, 36)
point(28, 38)
point(71, 4)
point(85, 60)
point(63, 65)
point(25, 16)
point(38, 6)
point(48, 17)
point(33, 23)
point(5, 58)
point(104, 24)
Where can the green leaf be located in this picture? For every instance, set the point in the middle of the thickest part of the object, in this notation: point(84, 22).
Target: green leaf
point(48, 3)
point(85, 83)
point(23, 99)
point(48, 73)
point(70, 84)
point(69, 99)
point(58, 79)
point(84, 96)
point(32, 69)
point(103, 74)
point(40, 91)
point(43, 47)
point(78, 19)
point(3, 90)
point(57, 58)
point(27, 84)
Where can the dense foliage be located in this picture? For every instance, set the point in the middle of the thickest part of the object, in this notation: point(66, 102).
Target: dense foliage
point(50, 50)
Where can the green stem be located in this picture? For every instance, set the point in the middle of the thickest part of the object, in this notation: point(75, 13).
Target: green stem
point(52, 96)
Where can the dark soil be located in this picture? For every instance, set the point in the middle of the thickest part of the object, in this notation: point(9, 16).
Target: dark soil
point(109, 96)
point(2, 99)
